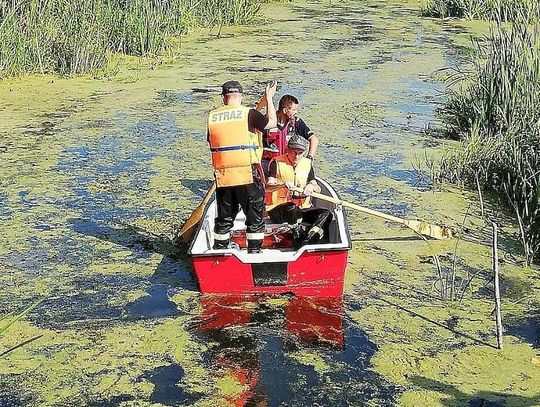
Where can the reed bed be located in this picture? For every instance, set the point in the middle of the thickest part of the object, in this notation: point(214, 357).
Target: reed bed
point(504, 10)
point(495, 111)
point(75, 36)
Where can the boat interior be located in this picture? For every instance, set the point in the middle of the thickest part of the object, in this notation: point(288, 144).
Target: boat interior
point(278, 242)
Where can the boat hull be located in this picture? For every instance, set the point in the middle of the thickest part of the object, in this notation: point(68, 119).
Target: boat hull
point(312, 274)
point(315, 270)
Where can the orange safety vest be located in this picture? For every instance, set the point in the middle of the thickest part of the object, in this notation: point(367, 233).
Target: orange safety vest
point(234, 148)
point(287, 173)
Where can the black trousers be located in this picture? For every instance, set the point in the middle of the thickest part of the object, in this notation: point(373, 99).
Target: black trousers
point(293, 215)
point(250, 198)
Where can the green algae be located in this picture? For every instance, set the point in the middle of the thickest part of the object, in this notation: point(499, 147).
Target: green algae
point(435, 352)
point(319, 364)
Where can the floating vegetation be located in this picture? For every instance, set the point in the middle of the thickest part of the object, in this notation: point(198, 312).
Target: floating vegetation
point(505, 10)
point(74, 37)
point(8, 320)
point(495, 111)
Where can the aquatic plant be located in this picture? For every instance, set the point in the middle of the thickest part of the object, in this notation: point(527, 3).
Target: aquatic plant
point(73, 37)
point(504, 10)
point(495, 111)
point(8, 320)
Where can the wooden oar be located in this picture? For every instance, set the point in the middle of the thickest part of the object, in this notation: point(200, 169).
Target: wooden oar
point(191, 223)
point(423, 228)
point(188, 228)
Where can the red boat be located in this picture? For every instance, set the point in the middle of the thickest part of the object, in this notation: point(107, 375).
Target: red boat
point(313, 270)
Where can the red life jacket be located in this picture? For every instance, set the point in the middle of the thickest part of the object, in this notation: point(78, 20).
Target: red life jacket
point(277, 140)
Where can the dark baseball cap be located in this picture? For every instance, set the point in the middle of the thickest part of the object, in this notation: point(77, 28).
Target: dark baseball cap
point(231, 87)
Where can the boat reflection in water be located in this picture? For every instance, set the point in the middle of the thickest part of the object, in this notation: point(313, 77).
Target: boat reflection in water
point(251, 339)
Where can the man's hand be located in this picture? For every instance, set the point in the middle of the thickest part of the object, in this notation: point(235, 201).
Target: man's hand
point(271, 89)
point(308, 190)
point(290, 186)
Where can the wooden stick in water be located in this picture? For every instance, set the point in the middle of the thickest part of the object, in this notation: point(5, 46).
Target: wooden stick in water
point(498, 317)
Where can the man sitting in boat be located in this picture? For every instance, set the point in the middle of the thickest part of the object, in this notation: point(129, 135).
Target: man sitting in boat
point(286, 174)
point(288, 124)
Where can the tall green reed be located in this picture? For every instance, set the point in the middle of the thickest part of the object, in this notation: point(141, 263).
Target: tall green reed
point(505, 10)
point(75, 36)
point(495, 111)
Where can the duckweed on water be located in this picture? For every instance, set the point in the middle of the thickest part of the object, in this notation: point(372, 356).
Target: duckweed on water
point(92, 198)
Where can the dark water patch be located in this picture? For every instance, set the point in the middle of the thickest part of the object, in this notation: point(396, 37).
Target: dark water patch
point(156, 134)
point(481, 402)
point(336, 44)
point(177, 272)
point(139, 240)
point(32, 260)
point(527, 329)
point(301, 353)
point(417, 104)
point(91, 308)
point(44, 129)
point(106, 166)
point(400, 12)
point(352, 18)
point(11, 395)
point(359, 164)
point(167, 386)
point(61, 114)
point(89, 302)
point(27, 201)
point(207, 90)
point(175, 268)
point(516, 288)
point(5, 212)
point(155, 304)
point(380, 58)
point(456, 55)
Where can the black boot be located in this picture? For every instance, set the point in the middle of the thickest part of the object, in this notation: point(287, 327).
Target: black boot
point(313, 236)
point(254, 246)
point(299, 234)
point(221, 244)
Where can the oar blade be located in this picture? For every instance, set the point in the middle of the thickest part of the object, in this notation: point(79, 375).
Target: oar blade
point(190, 225)
point(427, 229)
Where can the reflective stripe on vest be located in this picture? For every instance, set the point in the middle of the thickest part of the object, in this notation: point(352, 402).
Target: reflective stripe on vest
point(234, 149)
point(287, 173)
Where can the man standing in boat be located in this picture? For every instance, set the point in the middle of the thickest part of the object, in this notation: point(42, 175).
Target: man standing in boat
point(288, 173)
point(236, 157)
point(275, 140)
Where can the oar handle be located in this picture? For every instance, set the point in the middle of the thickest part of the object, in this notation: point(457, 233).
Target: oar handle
point(358, 208)
point(208, 194)
point(420, 227)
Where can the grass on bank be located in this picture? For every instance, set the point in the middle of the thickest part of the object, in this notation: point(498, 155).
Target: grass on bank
point(504, 10)
point(495, 111)
point(74, 36)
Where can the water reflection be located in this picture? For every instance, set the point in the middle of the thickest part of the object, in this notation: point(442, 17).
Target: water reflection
point(230, 322)
point(272, 351)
